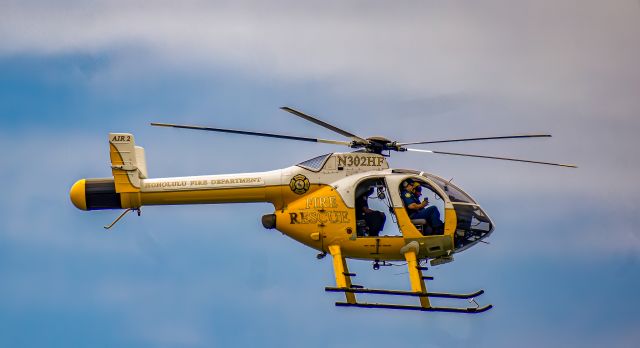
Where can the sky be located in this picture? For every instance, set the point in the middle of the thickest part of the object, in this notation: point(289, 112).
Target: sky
point(562, 267)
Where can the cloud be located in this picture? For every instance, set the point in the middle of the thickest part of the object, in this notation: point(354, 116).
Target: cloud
point(555, 51)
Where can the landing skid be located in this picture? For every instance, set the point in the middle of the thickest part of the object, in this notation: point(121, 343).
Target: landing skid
point(415, 308)
point(471, 296)
point(418, 288)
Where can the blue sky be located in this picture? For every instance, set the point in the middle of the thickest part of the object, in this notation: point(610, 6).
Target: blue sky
point(563, 265)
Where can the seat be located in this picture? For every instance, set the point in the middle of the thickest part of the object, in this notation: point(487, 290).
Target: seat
point(419, 224)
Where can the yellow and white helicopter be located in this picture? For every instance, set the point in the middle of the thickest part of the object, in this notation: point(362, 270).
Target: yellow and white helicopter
point(316, 202)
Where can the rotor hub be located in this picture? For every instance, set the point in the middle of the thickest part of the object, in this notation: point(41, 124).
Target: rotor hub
point(378, 144)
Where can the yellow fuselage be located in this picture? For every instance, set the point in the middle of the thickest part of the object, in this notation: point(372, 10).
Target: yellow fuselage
point(318, 217)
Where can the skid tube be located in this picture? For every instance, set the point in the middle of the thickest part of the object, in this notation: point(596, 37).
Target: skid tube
point(416, 308)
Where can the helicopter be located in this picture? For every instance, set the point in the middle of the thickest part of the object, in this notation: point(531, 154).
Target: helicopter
point(316, 203)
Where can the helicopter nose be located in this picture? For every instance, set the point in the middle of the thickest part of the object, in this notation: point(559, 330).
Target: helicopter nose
point(78, 194)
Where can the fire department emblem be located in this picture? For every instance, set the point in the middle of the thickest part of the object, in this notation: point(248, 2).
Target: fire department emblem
point(299, 184)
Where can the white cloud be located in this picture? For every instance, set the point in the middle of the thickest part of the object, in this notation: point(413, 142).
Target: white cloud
point(556, 51)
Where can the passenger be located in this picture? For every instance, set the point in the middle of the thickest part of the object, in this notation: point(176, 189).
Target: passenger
point(374, 219)
point(419, 210)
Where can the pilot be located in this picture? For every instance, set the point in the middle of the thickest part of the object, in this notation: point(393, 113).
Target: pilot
point(374, 219)
point(419, 210)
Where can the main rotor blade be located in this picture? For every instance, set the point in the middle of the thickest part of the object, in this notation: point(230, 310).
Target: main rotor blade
point(494, 157)
point(323, 124)
point(269, 135)
point(519, 136)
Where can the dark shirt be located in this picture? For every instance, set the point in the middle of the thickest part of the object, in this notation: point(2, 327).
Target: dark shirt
point(408, 198)
point(361, 203)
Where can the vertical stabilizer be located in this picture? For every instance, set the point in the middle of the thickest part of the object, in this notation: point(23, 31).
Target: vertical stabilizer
point(128, 164)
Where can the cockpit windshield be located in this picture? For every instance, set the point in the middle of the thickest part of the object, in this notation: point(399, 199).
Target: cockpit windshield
point(472, 224)
point(455, 193)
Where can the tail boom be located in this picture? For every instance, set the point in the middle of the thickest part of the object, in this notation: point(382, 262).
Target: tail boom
point(94, 194)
